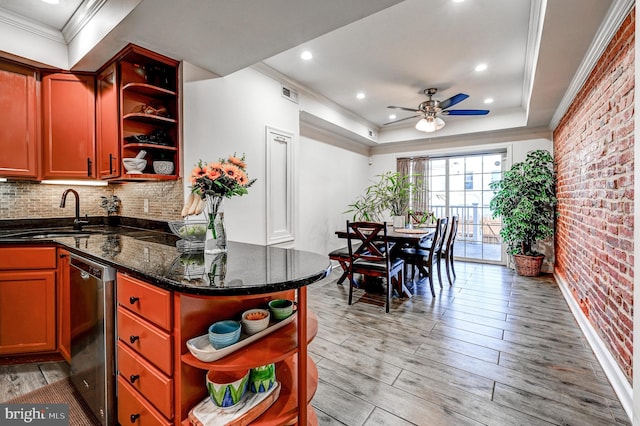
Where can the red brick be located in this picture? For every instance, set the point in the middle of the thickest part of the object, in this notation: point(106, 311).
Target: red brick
point(594, 151)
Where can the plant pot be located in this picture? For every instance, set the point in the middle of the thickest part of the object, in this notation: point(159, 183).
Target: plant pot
point(528, 266)
point(398, 222)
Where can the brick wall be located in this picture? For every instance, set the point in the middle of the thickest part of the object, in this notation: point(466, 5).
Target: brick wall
point(31, 200)
point(594, 149)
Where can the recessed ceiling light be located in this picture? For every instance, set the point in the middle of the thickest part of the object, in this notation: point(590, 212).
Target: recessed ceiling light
point(360, 95)
point(392, 117)
point(488, 101)
point(481, 67)
point(52, 1)
point(457, 1)
point(306, 55)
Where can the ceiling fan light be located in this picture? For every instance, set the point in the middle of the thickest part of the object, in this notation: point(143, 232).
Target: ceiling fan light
point(430, 124)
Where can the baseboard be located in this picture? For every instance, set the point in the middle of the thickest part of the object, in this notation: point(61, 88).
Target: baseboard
point(614, 373)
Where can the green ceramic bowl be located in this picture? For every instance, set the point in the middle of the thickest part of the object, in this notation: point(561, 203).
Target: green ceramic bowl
point(281, 308)
point(261, 379)
point(226, 388)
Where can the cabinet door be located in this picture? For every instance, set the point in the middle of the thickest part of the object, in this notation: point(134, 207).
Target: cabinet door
point(69, 126)
point(27, 311)
point(18, 109)
point(107, 124)
point(64, 313)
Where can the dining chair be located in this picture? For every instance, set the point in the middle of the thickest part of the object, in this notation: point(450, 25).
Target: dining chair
point(341, 256)
point(424, 258)
point(372, 257)
point(419, 218)
point(446, 252)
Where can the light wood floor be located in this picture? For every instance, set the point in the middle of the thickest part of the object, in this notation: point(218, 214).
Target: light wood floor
point(493, 349)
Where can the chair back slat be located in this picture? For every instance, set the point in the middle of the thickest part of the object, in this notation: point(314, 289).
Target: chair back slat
point(439, 235)
point(373, 247)
point(451, 235)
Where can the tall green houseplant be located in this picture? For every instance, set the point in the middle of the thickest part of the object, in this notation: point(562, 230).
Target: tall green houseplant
point(525, 199)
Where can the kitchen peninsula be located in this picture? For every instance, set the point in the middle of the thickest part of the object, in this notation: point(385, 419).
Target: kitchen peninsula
point(165, 297)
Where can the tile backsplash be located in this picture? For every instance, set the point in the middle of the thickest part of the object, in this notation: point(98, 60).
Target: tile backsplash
point(32, 200)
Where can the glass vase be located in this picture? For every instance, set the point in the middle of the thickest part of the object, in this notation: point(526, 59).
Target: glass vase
point(216, 236)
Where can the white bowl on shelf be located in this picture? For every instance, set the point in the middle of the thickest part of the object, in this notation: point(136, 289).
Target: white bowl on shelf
point(162, 167)
point(134, 165)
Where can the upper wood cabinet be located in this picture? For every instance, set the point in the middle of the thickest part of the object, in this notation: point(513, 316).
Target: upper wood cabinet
point(68, 126)
point(19, 111)
point(148, 113)
point(108, 123)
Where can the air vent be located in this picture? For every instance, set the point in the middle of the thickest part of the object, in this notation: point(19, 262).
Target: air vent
point(290, 94)
point(372, 134)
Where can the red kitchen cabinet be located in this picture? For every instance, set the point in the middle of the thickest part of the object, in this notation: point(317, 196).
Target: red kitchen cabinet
point(68, 126)
point(138, 110)
point(19, 111)
point(108, 123)
point(64, 312)
point(27, 300)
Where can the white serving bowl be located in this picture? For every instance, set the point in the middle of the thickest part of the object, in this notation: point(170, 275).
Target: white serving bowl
point(163, 167)
point(255, 320)
point(134, 165)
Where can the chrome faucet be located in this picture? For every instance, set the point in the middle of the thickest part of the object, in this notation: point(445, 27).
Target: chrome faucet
point(77, 223)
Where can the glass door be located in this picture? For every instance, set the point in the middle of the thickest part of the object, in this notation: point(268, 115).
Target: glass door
point(460, 186)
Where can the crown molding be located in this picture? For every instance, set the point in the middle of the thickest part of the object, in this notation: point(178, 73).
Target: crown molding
point(81, 17)
point(538, 8)
point(615, 16)
point(24, 24)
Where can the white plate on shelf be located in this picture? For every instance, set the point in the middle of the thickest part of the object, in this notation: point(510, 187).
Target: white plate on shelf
point(202, 349)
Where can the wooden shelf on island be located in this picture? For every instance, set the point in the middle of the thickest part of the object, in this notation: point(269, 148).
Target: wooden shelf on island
point(273, 347)
point(285, 409)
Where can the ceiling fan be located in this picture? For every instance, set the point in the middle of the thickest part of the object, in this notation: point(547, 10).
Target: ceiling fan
point(431, 108)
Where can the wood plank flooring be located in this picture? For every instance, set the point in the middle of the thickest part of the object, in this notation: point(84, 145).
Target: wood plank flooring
point(493, 349)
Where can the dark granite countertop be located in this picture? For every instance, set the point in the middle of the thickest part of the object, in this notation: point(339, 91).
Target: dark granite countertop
point(152, 256)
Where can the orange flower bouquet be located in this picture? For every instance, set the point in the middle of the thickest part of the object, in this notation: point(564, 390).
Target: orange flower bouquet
point(212, 182)
point(224, 178)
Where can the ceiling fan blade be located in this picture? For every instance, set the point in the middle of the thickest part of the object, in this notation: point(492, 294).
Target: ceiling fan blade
point(402, 119)
point(403, 108)
point(466, 112)
point(448, 103)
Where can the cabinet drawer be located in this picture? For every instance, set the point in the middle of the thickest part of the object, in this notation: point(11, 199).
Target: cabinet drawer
point(146, 379)
point(27, 258)
point(152, 303)
point(133, 409)
point(146, 339)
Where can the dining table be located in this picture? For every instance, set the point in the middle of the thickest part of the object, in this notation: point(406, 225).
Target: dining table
point(409, 236)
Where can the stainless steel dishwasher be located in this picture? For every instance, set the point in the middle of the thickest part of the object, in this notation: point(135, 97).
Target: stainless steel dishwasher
point(92, 294)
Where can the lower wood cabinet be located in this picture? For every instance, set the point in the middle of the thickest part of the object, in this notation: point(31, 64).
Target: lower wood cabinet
point(144, 353)
point(27, 300)
point(160, 381)
point(64, 304)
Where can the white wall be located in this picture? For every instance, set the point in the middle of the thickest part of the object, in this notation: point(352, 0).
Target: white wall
point(331, 177)
point(229, 115)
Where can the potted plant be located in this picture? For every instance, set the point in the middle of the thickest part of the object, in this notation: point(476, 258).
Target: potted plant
point(391, 194)
point(525, 199)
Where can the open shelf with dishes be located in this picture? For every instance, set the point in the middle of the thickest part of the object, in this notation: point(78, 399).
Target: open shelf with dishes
point(283, 347)
point(147, 116)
